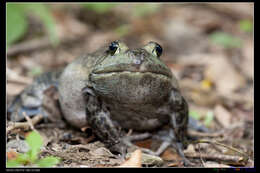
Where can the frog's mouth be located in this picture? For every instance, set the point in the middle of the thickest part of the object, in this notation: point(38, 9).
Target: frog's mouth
point(131, 87)
point(133, 72)
point(121, 69)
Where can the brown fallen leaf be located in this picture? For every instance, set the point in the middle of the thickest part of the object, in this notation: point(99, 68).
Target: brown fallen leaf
point(134, 161)
point(11, 155)
point(13, 89)
point(247, 62)
point(144, 143)
point(174, 164)
point(210, 164)
point(223, 116)
point(220, 71)
point(169, 155)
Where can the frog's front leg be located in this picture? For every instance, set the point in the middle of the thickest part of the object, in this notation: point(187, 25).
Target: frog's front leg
point(176, 135)
point(98, 117)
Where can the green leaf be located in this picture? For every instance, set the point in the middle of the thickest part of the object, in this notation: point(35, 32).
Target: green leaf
point(195, 115)
point(246, 25)
point(23, 158)
point(12, 163)
point(225, 39)
point(35, 142)
point(209, 118)
point(16, 23)
point(99, 7)
point(48, 161)
point(43, 12)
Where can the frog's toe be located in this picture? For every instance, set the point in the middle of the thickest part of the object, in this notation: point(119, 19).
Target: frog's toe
point(119, 149)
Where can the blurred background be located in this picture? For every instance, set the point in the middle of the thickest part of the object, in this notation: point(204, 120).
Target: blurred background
point(208, 46)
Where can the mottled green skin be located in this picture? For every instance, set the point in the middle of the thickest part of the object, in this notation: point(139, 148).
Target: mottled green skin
point(131, 88)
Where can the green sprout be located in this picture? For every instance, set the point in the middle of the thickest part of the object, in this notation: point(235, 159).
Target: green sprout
point(17, 21)
point(30, 158)
point(246, 25)
point(226, 40)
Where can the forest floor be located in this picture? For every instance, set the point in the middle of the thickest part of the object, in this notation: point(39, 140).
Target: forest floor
point(207, 49)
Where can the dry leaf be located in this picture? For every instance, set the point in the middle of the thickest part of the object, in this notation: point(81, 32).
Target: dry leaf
point(134, 161)
point(11, 155)
point(223, 74)
point(170, 155)
point(215, 165)
point(223, 116)
point(144, 143)
point(247, 63)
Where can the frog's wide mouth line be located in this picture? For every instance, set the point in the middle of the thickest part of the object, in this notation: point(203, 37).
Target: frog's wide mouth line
point(134, 73)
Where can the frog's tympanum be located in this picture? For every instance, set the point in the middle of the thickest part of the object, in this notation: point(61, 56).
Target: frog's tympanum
point(112, 89)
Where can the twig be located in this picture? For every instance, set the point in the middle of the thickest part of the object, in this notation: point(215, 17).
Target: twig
point(28, 119)
point(236, 160)
point(223, 145)
point(203, 134)
point(36, 44)
point(29, 46)
point(24, 125)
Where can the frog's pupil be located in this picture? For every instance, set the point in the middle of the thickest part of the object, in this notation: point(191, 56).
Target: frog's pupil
point(159, 50)
point(113, 47)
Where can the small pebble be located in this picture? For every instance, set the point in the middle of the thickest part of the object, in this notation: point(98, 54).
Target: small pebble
point(19, 146)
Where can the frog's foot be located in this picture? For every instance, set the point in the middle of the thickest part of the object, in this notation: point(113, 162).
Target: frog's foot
point(169, 140)
point(119, 149)
point(128, 141)
point(17, 111)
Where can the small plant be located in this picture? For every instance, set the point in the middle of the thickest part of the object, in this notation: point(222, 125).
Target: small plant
point(226, 40)
point(209, 118)
point(17, 22)
point(30, 158)
point(246, 25)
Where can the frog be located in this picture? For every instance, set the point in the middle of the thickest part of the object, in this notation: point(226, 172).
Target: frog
point(116, 88)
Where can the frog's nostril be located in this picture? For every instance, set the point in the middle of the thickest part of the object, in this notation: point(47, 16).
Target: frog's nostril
point(137, 61)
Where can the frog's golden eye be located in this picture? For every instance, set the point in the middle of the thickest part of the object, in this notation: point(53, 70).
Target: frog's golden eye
point(113, 47)
point(158, 50)
point(154, 48)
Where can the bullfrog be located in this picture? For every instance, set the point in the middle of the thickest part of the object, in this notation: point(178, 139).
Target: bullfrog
point(115, 88)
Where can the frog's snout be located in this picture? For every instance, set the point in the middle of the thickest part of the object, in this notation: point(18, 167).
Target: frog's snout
point(138, 56)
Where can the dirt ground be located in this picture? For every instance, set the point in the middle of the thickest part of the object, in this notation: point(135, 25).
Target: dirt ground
point(217, 80)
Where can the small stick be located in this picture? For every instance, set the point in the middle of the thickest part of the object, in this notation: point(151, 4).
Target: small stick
point(221, 157)
point(28, 119)
point(203, 134)
point(29, 46)
point(24, 125)
point(223, 145)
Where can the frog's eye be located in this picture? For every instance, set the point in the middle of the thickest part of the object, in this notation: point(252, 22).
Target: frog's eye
point(154, 48)
point(113, 47)
point(158, 50)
